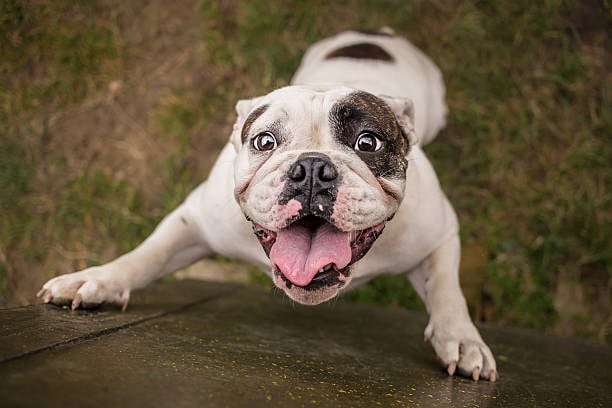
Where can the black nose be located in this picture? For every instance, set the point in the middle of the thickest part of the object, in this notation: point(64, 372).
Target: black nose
point(313, 181)
point(317, 171)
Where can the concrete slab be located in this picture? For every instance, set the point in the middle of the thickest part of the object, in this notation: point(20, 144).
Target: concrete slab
point(190, 343)
point(27, 330)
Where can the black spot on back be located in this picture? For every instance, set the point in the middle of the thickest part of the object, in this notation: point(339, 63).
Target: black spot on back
point(361, 51)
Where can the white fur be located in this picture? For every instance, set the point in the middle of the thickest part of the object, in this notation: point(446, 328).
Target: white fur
point(421, 241)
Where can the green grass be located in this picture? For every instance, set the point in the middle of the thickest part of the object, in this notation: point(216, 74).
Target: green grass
point(524, 158)
point(528, 132)
point(54, 54)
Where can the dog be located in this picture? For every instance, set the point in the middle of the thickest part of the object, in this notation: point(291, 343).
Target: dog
point(311, 176)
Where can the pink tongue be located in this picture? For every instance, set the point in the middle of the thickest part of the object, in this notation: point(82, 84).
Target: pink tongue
point(299, 254)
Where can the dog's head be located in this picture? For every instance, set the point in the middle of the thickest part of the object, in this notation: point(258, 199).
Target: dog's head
point(318, 174)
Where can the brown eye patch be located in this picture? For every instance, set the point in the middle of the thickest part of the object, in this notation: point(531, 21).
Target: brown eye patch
point(362, 113)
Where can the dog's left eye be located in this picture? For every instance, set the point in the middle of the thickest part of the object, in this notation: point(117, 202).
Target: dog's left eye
point(265, 142)
point(368, 142)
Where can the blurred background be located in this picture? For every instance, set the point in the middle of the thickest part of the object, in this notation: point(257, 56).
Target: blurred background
point(111, 111)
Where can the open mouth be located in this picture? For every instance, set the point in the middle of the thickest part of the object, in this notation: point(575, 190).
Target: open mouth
point(311, 253)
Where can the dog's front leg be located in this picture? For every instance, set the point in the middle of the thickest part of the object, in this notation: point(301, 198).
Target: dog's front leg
point(175, 243)
point(454, 337)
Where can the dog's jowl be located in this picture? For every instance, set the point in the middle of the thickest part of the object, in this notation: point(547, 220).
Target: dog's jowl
point(324, 185)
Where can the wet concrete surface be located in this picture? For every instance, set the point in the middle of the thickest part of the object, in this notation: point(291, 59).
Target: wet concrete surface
point(189, 343)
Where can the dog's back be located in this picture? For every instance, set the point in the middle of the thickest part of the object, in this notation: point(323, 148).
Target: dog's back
point(381, 63)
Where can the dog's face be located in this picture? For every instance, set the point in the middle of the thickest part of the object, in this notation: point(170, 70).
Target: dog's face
point(318, 174)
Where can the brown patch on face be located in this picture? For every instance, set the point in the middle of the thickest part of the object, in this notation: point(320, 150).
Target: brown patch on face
point(361, 51)
point(250, 119)
point(362, 112)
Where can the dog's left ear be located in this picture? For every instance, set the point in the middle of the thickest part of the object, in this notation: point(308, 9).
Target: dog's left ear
point(404, 112)
point(243, 109)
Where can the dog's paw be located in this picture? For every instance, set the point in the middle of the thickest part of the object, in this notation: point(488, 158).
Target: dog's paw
point(85, 289)
point(461, 349)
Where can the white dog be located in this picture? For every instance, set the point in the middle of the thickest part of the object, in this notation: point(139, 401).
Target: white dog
point(312, 174)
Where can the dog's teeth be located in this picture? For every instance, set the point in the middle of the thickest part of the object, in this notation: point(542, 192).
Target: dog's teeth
point(326, 268)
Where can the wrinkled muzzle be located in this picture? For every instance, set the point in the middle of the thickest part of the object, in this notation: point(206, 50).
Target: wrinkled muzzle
point(310, 256)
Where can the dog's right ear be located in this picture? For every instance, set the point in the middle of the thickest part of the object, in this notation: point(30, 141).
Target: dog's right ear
point(244, 108)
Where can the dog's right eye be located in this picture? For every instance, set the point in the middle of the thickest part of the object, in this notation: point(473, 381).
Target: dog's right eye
point(264, 142)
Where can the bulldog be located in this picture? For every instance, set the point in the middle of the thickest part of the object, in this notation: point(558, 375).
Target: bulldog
point(324, 184)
